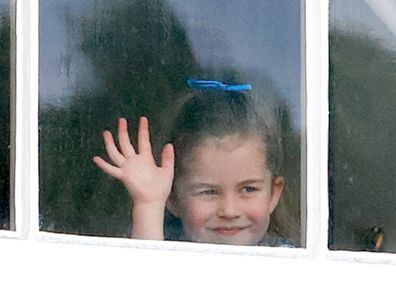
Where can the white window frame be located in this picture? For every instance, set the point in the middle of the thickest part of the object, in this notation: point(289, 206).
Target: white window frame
point(153, 266)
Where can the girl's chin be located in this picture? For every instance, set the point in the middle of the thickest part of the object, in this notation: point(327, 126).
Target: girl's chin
point(225, 239)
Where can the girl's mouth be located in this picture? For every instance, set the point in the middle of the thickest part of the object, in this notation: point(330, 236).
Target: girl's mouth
point(228, 231)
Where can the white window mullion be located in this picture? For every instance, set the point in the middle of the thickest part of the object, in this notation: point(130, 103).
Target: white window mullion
point(26, 162)
point(317, 124)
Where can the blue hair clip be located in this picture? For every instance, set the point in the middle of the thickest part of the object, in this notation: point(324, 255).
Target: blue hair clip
point(217, 85)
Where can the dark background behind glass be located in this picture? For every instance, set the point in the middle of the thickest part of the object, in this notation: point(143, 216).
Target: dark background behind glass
point(362, 133)
point(100, 60)
point(4, 114)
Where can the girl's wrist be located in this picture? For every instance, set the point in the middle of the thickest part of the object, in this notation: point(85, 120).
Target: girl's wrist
point(148, 221)
point(149, 205)
point(147, 199)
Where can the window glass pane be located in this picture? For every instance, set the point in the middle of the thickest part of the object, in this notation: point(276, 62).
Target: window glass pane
point(362, 120)
point(5, 114)
point(102, 60)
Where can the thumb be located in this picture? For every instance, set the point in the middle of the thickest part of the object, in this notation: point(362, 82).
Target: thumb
point(168, 157)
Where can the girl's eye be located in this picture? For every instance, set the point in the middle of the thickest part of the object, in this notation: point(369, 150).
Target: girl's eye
point(208, 192)
point(249, 189)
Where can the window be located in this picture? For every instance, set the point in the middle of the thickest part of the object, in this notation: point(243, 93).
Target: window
point(6, 206)
point(100, 61)
point(31, 255)
point(362, 108)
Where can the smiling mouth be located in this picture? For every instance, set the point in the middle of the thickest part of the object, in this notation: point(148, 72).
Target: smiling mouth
point(228, 231)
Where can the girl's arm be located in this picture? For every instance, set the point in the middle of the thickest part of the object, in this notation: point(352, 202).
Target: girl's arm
point(148, 185)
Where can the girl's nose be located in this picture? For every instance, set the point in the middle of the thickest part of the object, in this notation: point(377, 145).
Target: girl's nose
point(228, 207)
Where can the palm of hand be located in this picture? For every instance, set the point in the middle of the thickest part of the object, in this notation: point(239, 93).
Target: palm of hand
point(146, 182)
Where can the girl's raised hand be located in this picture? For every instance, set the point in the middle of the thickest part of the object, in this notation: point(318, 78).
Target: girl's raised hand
point(148, 184)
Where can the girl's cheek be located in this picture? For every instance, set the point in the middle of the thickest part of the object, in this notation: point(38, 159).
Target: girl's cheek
point(258, 211)
point(199, 212)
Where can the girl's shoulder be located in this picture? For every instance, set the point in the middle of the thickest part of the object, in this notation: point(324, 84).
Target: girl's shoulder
point(275, 240)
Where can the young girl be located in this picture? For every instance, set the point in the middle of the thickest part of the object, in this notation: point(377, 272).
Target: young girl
point(219, 172)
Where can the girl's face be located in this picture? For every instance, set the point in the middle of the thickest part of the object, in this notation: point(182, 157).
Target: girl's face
point(227, 194)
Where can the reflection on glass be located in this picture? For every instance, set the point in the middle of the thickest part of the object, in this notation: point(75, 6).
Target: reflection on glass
point(101, 61)
point(362, 118)
point(5, 114)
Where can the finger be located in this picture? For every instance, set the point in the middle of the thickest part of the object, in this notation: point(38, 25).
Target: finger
point(168, 157)
point(123, 137)
point(144, 136)
point(112, 150)
point(107, 168)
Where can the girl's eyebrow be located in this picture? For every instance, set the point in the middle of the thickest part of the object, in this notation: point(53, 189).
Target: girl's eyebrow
point(201, 185)
point(193, 186)
point(251, 181)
